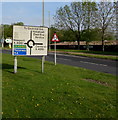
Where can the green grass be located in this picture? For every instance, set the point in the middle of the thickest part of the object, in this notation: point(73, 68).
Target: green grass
point(94, 54)
point(61, 92)
point(97, 56)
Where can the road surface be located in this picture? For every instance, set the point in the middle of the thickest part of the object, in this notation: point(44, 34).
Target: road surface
point(100, 65)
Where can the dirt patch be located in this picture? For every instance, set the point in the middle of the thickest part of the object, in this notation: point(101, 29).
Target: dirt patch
point(99, 82)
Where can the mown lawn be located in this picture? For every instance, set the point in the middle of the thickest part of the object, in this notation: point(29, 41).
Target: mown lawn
point(61, 92)
point(93, 54)
point(90, 51)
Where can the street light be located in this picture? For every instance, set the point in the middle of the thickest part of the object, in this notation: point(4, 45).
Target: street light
point(49, 32)
point(43, 57)
point(42, 12)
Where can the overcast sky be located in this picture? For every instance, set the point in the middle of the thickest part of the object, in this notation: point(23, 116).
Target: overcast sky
point(30, 13)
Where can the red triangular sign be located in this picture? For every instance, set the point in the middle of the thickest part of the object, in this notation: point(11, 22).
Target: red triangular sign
point(55, 38)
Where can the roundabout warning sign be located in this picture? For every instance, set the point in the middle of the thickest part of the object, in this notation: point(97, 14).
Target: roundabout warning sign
point(29, 40)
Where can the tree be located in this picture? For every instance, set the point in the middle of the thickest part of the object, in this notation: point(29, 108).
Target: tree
point(92, 33)
point(89, 10)
point(19, 23)
point(105, 16)
point(8, 29)
point(1, 31)
point(64, 35)
point(77, 17)
point(70, 18)
point(67, 35)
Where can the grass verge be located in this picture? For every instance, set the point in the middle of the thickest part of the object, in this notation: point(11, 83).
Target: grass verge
point(94, 54)
point(61, 92)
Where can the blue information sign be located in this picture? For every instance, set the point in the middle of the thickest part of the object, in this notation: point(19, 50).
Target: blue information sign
point(19, 51)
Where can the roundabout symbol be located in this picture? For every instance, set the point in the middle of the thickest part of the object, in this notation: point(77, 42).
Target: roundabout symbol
point(30, 43)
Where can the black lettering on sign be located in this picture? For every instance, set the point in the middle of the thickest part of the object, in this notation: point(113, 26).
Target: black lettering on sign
point(39, 48)
point(19, 43)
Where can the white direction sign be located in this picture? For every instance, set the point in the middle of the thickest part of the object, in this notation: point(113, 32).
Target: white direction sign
point(8, 40)
point(29, 40)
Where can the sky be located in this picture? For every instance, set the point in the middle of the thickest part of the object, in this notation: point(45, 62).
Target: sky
point(30, 13)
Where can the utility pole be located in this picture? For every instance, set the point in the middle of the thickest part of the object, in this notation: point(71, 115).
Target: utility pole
point(49, 32)
point(43, 57)
point(42, 12)
point(2, 35)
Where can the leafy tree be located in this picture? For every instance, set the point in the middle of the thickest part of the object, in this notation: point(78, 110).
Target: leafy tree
point(92, 33)
point(76, 17)
point(70, 18)
point(89, 10)
point(63, 35)
point(1, 31)
point(19, 23)
point(105, 16)
point(67, 35)
point(8, 29)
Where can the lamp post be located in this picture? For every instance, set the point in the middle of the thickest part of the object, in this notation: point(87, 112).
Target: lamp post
point(43, 57)
point(42, 12)
point(49, 31)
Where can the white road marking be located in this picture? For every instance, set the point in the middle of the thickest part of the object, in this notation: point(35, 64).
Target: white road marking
point(93, 63)
point(64, 59)
point(68, 55)
point(79, 57)
point(71, 55)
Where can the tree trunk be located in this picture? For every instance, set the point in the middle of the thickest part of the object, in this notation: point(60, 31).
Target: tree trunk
point(103, 45)
point(78, 46)
point(78, 40)
point(87, 45)
point(103, 40)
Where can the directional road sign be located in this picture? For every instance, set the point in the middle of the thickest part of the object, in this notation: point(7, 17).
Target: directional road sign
point(8, 40)
point(29, 40)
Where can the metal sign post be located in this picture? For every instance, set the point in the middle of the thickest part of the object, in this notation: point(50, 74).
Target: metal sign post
point(55, 53)
point(43, 60)
point(2, 45)
point(55, 39)
point(43, 57)
point(15, 64)
point(2, 42)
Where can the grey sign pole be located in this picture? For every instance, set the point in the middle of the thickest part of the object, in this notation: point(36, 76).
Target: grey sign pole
point(43, 60)
point(49, 32)
point(55, 53)
point(2, 45)
point(43, 57)
point(15, 64)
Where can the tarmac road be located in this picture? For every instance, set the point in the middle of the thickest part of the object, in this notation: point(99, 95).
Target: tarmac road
point(100, 65)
